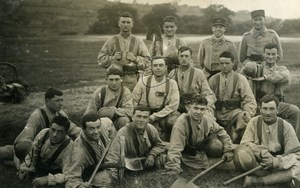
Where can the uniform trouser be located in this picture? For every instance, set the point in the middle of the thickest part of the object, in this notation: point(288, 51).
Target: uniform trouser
point(290, 113)
point(130, 80)
point(164, 125)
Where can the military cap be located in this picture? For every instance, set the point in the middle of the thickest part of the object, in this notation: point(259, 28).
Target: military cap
point(258, 13)
point(219, 21)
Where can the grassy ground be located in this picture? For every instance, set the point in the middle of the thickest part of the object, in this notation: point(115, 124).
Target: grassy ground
point(69, 63)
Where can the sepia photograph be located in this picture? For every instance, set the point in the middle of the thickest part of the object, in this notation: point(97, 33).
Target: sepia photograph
point(149, 93)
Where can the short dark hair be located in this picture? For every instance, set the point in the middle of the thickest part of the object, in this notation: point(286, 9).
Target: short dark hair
point(51, 93)
point(227, 54)
point(61, 121)
point(199, 100)
point(268, 98)
point(126, 15)
point(114, 70)
point(91, 116)
point(170, 19)
point(158, 57)
point(185, 48)
point(271, 46)
point(143, 108)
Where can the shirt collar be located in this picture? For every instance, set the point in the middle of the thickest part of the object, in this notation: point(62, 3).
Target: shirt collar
point(256, 33)
point(217, 40)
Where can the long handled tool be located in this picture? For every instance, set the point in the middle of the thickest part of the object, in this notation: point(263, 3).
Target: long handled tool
point(99, 162)
point(182, 182)
point(258, 167)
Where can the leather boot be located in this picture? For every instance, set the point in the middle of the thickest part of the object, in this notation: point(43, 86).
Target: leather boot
point(252, 180)
point(283, 176)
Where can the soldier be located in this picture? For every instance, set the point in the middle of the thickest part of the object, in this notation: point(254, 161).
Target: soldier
point(161, 95)
point(253, 42)
point(38, 120)
point(113, 100)
point(139, 139)
point(211, 48)
point(266, 138)
point(195, 137)
point(273, 79)
point(235, 104)
point(50, 157)
point(191, 80)
point(131, 52)
point(88, 150)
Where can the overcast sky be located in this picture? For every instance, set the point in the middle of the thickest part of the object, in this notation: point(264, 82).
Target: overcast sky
point(285, 9)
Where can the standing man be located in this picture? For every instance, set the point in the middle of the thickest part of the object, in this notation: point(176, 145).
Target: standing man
point(130, 52)
point(266, 138)
point(273, 79)
point(236, 103)
point(38, 120)
point(253, 41)
point(211, 48)
point(162, 96)
point(51, 155)
point(191, 80)
point(196, 136)
point(112, 100)
point(88, 150)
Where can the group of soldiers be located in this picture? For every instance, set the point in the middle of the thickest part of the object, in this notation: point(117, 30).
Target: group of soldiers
point(226, 105)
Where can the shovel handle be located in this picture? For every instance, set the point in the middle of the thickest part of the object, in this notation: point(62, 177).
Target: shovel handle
point(243, 175)
point(207, 170)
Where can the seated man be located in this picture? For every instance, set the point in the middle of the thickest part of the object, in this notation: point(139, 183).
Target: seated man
point(196, 136)
point(270, 78)
point(191, 80)
point(139, 140)
point(112, 100)
point(161, 95)
point(266, 139)
point(89, 148)
point(38, 120)
point(235, 104)
point(51, 155)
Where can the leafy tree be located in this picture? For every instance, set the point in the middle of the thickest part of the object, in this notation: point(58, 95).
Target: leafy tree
point(108, 16)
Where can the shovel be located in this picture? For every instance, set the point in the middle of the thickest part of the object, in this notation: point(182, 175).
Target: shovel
point(182, 182)
point(134, 164)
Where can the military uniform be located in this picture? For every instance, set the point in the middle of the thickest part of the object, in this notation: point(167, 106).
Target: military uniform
point(193, 80)
point(131, 44)
point(186, 134)
point(121, 99)
point(277, 138)
point(209, 52)
point(86, 154)
point(234, 96)
point(168, 45)
point(43, 162)
point(163, 99)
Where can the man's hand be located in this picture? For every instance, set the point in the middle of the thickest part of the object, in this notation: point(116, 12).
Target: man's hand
point(259, 79)
point(266, 159)
point(40, 181)
point(149, 162)
point(118, 56)
point(131, 57)
point(246, 116)
point(228, 156)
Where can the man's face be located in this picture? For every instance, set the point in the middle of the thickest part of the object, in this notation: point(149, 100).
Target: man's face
point(271, 55)
point(57, 134)
point(269, 112)
point(258, 22)
point(114, 82)
point(185, 58)
point(226, 65)
point(125, 24)
point(196, 111)
point(55, 103)
point(169, 29)
point(218, 30)
point(159, 67)
point(140, 119)
point(92, 130)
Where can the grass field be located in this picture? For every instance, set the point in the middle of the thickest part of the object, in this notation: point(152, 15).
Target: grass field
point(69, 63)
